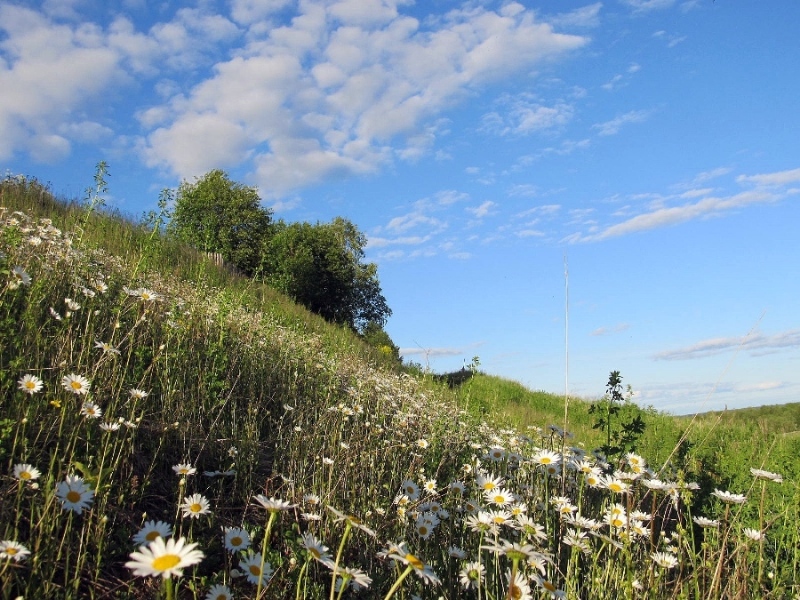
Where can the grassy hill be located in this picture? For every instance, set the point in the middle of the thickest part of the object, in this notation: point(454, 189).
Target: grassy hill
point(150, 398)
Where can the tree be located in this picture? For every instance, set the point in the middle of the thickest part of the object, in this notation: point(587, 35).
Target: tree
point(215, 214)
point(321, 266)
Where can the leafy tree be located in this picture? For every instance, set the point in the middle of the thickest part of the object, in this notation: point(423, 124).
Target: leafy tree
point(321, 266)
point(215, 214)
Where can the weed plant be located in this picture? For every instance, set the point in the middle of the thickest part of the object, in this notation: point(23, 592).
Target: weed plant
point(169, 430)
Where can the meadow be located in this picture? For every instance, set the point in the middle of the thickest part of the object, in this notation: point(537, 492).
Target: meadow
point(169, 429)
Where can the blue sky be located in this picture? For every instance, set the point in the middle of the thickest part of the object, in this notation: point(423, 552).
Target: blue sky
point(649, 145)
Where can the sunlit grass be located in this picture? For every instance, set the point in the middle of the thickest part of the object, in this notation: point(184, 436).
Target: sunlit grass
point(170, 430)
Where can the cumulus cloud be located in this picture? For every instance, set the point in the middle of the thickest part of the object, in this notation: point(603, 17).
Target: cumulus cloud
point(333, 92)
point(47, 71)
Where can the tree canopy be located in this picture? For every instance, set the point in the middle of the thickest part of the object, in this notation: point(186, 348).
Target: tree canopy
point(321, 266)
point(215, 214)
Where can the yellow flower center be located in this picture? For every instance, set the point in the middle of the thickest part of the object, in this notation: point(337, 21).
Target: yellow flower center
point(11, 551)
point(615, 487)
point(546, 460)
point(488, 486)
point(152, 536)
point(236, 541)
point(73, 496)
point(255, 570)
point(166, 562)
point(415, 562)
point(499, 499)
point(549, 586)
point(196, 507)
point(30, 385)
point(75, 385)
point(25, 475)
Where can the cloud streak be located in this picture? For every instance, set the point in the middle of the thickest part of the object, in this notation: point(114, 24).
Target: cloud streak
point(755, 344)
point(767, 190)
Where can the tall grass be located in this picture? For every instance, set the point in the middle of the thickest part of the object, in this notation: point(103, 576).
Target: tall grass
point(170, 430)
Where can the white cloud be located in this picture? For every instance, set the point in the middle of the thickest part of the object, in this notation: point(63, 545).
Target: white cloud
point(618, 328)
point(586, 16)
point(47, 71)
point(641, 6)
point(358, 80)
point(613, 126)
point(481, 211)
point(772, 179)
point(767, 190)
point(757, 343)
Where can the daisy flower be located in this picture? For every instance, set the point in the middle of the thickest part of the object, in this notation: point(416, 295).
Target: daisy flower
point(729, 497)
point(518, 587)
point(30, 384)
point(26, 472)
point(410, 489)
point(146, 295)
point(152, 530)
point(488, 483)
point(429, 486)
point(19, 277)
point(273, 505)
point(549, 587)
point(499, 497)
point(77, 384)
point(256, 574)
point(665, 560)
point(471, 576)
point(422, 443)
point(705, 522)
point(164, 558)
point(90, 410)
point(311, 499)
point(615, 485)
point(546, 458)
point(514, 550)
point(753, 534)
point(138, 394)
point(106, 347)
point(219, 592)
point(184, 469)
point(496, 454)
point(422, 570)
point(456, 552)
point(316, 549)
point(353, 521)
point(356, 578)
point(762, 474)
point(195, 505)
point(236, 539)
point(74, 494)
point(110, 426)
point(457, 487)
point(11, 550)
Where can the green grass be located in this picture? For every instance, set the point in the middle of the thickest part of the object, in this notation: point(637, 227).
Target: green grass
point(260, 397)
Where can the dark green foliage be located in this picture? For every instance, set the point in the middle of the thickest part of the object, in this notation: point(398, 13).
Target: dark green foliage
point(320, 266)
point(215, 214)
point(619, 418)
